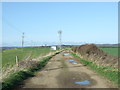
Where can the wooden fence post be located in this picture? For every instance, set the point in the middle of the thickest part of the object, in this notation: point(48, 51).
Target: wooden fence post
point(17, 61)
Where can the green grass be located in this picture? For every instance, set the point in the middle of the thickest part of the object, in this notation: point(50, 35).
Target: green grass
point(110, 73)
point(8, 56)
point(15, 78)
point(112, 51)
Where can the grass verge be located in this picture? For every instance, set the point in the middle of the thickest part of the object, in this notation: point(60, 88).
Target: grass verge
point(110, 73)
point(17, 77)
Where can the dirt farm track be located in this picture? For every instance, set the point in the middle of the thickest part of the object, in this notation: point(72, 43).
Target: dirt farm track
point(60, 72)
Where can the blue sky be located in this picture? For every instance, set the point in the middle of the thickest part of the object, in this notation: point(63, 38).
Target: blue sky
point(80, 22)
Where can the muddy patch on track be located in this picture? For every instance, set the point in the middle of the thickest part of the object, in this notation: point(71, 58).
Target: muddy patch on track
point(67, 79)
point(66, 54)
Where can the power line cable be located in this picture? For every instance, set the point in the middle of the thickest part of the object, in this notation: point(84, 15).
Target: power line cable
point(11, 25)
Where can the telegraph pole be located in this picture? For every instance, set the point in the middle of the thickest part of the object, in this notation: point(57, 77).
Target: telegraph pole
point(60, 32)
point(22, 39)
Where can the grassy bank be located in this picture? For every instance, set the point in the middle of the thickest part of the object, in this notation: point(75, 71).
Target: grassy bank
point(17, 77)
point(9, 56)
point(110, 73)
point(112, 51)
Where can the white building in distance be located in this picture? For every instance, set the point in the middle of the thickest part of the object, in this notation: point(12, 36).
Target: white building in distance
point(53, 48)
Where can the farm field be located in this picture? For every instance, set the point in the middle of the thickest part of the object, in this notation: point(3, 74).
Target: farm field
point(112, 51)
point(9, 55)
